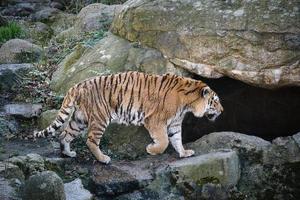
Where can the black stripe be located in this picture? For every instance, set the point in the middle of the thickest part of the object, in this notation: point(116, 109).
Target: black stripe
point(171, 134)
point(191, 91)
point(58, 118)
point(63, 111)
point(72, 127)
point(55, 127)
point(146, 78)
point(162, 81)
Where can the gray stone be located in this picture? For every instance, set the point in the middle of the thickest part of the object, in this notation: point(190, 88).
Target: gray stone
point(9, 171)
point(19, 51)
point(121, 177)
point(251, 41)
point(249, 148)
point(7, 192)
point(8, 127)
point(41, 33)
point(45, 15)
point(24, 110)
point(75, 191)
point(95, 16)
point(283, 150)
point(14, 67)
point(44, 186)
point(10, 75)
point(29, 164)
point(220, 167)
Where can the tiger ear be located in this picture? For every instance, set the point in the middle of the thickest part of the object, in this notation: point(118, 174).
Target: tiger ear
point(205, 91)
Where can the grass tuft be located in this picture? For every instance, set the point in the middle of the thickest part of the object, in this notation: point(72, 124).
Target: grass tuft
point(10, 31)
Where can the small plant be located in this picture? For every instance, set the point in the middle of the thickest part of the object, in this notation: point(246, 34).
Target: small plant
point(10, 31)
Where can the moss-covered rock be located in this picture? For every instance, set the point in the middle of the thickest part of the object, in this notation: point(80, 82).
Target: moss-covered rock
point(9, 171)
point(250, 41)
point(112, 54)
point(127, 142)
point(45, 185)
point(95, 16)
point(20, 51)
point(47, 118)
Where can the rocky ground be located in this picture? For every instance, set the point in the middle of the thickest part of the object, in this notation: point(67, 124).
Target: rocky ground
point(64, 43)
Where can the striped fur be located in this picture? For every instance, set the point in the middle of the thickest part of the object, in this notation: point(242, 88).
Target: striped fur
point(157, 102)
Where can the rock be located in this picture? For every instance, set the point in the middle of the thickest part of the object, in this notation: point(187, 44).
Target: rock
point(24, 110)
point(63, 21)
point(110, 55)
point(127, 142)
point(95, 16)
point(45, 185)
point(10, 73)
point(249, 148)
point(246, 41)
point(75, 191)
point(45, 15)
point(121, 177)
point(29, 164)
point(7, 191)
point(217, 167)
point(8, 128)
point(56, 5)
point(19, 51)
point(47, 118)
point(283, 150)
point(9, 171)
point(41, 32)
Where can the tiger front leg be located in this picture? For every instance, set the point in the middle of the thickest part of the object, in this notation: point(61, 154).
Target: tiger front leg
point(174, 133)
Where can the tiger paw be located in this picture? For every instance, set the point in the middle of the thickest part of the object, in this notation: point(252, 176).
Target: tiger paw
point(186, 153)
point(150, 149)
point(71, 154)
point(105, 159)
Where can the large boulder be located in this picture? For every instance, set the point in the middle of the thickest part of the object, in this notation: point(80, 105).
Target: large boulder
point(112, 54)
point(19, 51)
point(95, 16)
point(218, 167)
point(252, 41)
point(46, 185)
point(249, 148)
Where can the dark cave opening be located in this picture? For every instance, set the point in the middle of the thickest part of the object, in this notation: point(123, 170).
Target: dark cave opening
point(250, 110)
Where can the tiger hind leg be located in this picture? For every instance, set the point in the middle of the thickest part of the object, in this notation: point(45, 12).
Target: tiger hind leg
point(73, 129)
point(94, 136)
point(160, 139)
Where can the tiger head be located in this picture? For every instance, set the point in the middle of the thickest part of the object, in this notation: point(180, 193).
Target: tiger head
point(209, 104)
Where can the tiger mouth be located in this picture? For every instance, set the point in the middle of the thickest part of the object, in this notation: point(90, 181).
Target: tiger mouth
point(211, 116)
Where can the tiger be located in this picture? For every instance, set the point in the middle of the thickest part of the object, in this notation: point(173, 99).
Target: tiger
point(159, 102)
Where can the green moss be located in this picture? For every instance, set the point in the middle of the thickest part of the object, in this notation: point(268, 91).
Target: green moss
point(10, 31)
point(74, 56)
point(208, 179)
